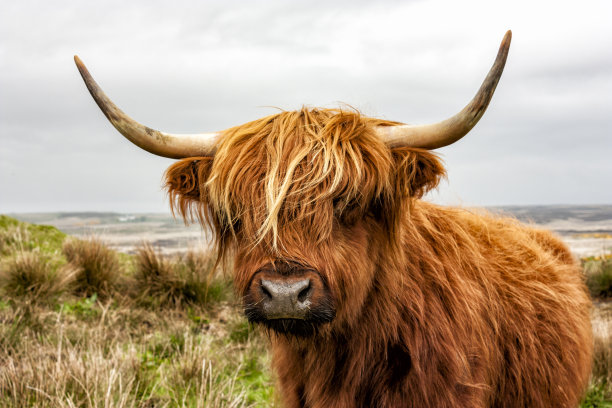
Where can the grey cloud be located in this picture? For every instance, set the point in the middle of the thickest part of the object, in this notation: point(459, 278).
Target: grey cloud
point(198, 66)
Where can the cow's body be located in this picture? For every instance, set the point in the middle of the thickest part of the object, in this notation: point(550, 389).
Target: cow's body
point(480, 312)
point(372, 297)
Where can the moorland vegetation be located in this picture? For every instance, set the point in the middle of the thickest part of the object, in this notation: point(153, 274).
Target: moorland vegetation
point(82, 325)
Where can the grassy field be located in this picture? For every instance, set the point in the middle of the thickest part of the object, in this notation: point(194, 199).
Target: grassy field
point(84, 326)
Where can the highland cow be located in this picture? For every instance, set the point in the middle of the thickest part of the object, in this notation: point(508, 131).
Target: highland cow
point(371, 296)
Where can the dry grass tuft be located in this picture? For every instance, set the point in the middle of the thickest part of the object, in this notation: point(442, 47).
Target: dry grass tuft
point(598, 274)
point(602, 351)
point(35, 276)
point(156, 276)
point(602, 360)
point(180, 280)
point(12, 239)
point(98, 266)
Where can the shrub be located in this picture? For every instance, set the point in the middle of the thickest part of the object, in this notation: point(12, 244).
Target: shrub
point(35, 276)
point(98, 267)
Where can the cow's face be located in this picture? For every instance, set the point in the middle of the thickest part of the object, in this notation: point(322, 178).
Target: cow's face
point(306, 202)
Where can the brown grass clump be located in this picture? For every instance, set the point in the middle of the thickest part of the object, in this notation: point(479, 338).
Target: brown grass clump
point(34, 276)
point(165, 281)
point(602, 350)
point(155, 275)
point(98, 266)
point(602, 360)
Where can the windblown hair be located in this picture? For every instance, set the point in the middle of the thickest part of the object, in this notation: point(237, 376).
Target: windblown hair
point(301, 170)
point(434, 307)
point(476, 312)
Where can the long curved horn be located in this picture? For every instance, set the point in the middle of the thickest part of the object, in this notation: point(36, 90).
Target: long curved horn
point(434, 136)
point(151, 140)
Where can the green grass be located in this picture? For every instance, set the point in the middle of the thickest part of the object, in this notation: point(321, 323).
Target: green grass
point(15, 234)
point(84, 308)
point(597, 396)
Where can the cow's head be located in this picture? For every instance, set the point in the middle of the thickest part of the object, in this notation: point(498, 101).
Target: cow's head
point(306, 202)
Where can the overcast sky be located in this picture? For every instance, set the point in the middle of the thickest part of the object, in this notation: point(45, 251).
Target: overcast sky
point(195, 66)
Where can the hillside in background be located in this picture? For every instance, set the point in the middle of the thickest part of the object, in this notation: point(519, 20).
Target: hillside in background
point(563, 218)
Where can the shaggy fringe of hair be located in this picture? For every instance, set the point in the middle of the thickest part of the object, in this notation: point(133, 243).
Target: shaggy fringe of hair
point(300, 170)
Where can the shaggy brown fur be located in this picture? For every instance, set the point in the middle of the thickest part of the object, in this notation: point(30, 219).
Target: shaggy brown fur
point(435, 307)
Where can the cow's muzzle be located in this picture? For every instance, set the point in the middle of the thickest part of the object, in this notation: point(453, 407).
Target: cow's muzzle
point(286, 299)
point(289, 298)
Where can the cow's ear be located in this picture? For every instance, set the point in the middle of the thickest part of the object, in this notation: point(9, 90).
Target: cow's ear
point(416, 171)
point(185, 182)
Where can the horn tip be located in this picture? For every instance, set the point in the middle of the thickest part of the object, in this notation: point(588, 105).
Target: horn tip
point(79, 63)
point(507, 36)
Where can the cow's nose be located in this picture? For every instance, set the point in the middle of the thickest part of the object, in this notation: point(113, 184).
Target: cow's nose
point(283, 299)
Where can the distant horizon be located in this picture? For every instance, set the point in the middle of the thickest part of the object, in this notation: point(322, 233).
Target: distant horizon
point(119, 212)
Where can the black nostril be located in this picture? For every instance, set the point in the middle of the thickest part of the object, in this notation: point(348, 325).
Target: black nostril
point(303, 295)
point(266, 292)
